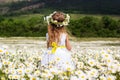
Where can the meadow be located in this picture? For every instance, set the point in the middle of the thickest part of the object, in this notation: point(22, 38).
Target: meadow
point(20, 59)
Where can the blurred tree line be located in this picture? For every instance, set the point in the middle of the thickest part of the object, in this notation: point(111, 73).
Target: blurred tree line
point(83, 27)
point(94, 27)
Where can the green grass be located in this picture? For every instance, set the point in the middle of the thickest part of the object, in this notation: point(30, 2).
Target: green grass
point(27, 17)
point(77, 16)
point(73, 16)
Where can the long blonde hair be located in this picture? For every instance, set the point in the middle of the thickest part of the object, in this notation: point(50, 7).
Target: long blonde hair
point(54, 31)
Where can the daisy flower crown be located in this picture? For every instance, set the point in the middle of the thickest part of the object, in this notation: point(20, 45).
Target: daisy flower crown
point(49, 20)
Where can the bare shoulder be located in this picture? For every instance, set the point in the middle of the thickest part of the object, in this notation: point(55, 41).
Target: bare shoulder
point(66, 34)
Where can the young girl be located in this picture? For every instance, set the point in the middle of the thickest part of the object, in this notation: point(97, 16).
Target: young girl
point(58, 54)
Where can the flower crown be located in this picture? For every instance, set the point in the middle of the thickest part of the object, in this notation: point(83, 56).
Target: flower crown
point(49, 20)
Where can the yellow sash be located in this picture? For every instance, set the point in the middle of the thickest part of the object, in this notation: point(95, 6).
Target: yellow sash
point(55, 46)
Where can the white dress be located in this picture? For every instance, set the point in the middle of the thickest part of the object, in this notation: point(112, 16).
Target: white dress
point(61, 59)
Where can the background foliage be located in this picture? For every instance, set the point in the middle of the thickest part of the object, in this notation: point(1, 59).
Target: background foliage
point(86, 26)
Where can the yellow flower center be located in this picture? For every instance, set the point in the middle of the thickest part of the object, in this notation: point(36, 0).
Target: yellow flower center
point(82, 76)
point(53, 72)
point(106, 55)
point(49, 76)
point(1, 50)
point(58, 59)
point(5, 62)
point(109, 79)
point(92, 73)
point(27, 70)
point(16, 77)
point(91, 62)
point(65, 73)
point(67, 62)
point(2, 78)
point(108, 60)
point(20, 71)
point(7, 52)
point(33, 78)
point(68, 69)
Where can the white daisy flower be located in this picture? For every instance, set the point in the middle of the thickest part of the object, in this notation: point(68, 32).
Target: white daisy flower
point(91, 62)
point(74, 78)
point(110, 77)
point(0, 65)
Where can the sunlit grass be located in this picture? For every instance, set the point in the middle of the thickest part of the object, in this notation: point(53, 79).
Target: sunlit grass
point(71, 38)
point(94, 39)
point(73, 16)
point(77, 16)
point(113, 44)
point(27, 16)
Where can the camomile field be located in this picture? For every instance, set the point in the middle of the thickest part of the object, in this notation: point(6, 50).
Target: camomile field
point(95, 59)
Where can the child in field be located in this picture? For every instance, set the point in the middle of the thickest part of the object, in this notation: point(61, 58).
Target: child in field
point(58, 54)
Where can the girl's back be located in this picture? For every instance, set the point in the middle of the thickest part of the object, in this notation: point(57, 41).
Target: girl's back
point(62, 39)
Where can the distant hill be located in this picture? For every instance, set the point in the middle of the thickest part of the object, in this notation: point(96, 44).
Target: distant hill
point(6, 1)
point(72, 6)
point(88, 6)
